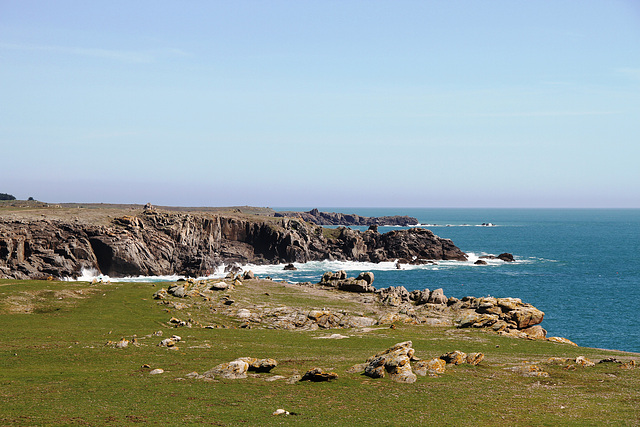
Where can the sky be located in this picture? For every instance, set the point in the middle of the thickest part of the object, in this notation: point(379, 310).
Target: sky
point(322, 103)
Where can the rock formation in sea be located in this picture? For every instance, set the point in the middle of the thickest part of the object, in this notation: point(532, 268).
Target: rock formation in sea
point(154, 242)
point(314, 216)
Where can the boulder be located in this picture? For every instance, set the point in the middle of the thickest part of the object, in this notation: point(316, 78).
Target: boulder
point(583, 361)
point(561, 340)
point(248, 275)
point(420, 297)
point(236, 369)
point(455, 357)
point(529, 371)
point(536, 332)
point(474, 358)
point(480, 262)
point(161, 294)
point(318, 375)
point(219, 286)
point(393, 296)
point(259, 365)
point(431, 367)
point(506, 257)
point(525, 316)
point(366, 276)
point(355, 285)
point(123, 343)
point(476, 320)
point(178, 291)
point(437, 297)
point(290, 267)
point(396, 361)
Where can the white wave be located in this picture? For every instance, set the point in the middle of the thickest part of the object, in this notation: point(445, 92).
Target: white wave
point(487, 224)
point(309, 271)
point(91, 274)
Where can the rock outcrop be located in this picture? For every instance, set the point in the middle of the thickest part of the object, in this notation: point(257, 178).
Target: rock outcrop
point(501, 314)
point(314, 216)
point(153, 242)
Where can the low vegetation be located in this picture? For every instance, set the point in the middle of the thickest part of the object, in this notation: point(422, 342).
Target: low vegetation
point(60, 364)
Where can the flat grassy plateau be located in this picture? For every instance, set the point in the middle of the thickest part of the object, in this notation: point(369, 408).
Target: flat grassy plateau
point(58, 366)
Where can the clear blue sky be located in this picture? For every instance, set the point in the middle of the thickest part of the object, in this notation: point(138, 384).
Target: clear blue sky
point(322, 103)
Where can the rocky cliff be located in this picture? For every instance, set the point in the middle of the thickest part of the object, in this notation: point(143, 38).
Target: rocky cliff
point(152, 242)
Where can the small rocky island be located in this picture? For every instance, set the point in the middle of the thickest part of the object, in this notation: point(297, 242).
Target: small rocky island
point(314, 216)
point(60, 241)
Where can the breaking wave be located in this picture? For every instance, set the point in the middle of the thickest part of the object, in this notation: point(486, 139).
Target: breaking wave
point(310, 271)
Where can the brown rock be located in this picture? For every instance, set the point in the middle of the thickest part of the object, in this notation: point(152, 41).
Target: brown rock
point(431, 367)
point(396, 361)
point(536, 332)
point(454, 358)
point(236, 369)
point(318, 375)
point(474, 358)
point(561, 340)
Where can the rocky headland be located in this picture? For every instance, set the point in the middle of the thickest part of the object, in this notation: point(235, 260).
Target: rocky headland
point(314, 216)
point(58, 242)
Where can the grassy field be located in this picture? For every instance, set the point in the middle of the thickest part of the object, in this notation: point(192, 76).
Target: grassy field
point(58, 368)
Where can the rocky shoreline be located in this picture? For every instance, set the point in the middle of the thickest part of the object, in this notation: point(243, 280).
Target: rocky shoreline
point(153, 242)
point(385, 306)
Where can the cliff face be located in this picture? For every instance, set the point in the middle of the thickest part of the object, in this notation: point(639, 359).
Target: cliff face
point(161, 243)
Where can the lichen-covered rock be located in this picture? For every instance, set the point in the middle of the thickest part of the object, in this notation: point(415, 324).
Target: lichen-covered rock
point(259, 365)
point(431, 367)
point(474, 358)
point(631, 364)
point(583, 361)
point(525, 316)
point(536, 332)
point(236, 369)
point(395, 361)
point(123, 343)
point(366, 276)
point(437, 297)
point(393, 296)
point(529, 371)
point(420, 297)
point(318, 375)
point(561, 340)
point(476, 320)
point(454, 358)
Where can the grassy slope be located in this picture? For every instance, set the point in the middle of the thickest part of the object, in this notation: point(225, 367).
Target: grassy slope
point(56, 369)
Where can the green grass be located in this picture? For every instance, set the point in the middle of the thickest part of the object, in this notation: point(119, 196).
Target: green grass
point(55, 369)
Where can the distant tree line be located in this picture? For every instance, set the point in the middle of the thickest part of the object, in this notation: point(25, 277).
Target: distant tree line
point(5, 196)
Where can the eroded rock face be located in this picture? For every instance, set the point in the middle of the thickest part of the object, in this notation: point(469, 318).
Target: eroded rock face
point(155, 243)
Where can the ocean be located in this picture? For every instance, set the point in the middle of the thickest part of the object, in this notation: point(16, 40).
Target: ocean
point(580, 266)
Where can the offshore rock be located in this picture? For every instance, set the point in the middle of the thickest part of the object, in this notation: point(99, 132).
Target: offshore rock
point(152, 242)
point(332, 218)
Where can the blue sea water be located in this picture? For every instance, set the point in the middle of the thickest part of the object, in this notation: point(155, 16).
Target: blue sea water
point(580, 266)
